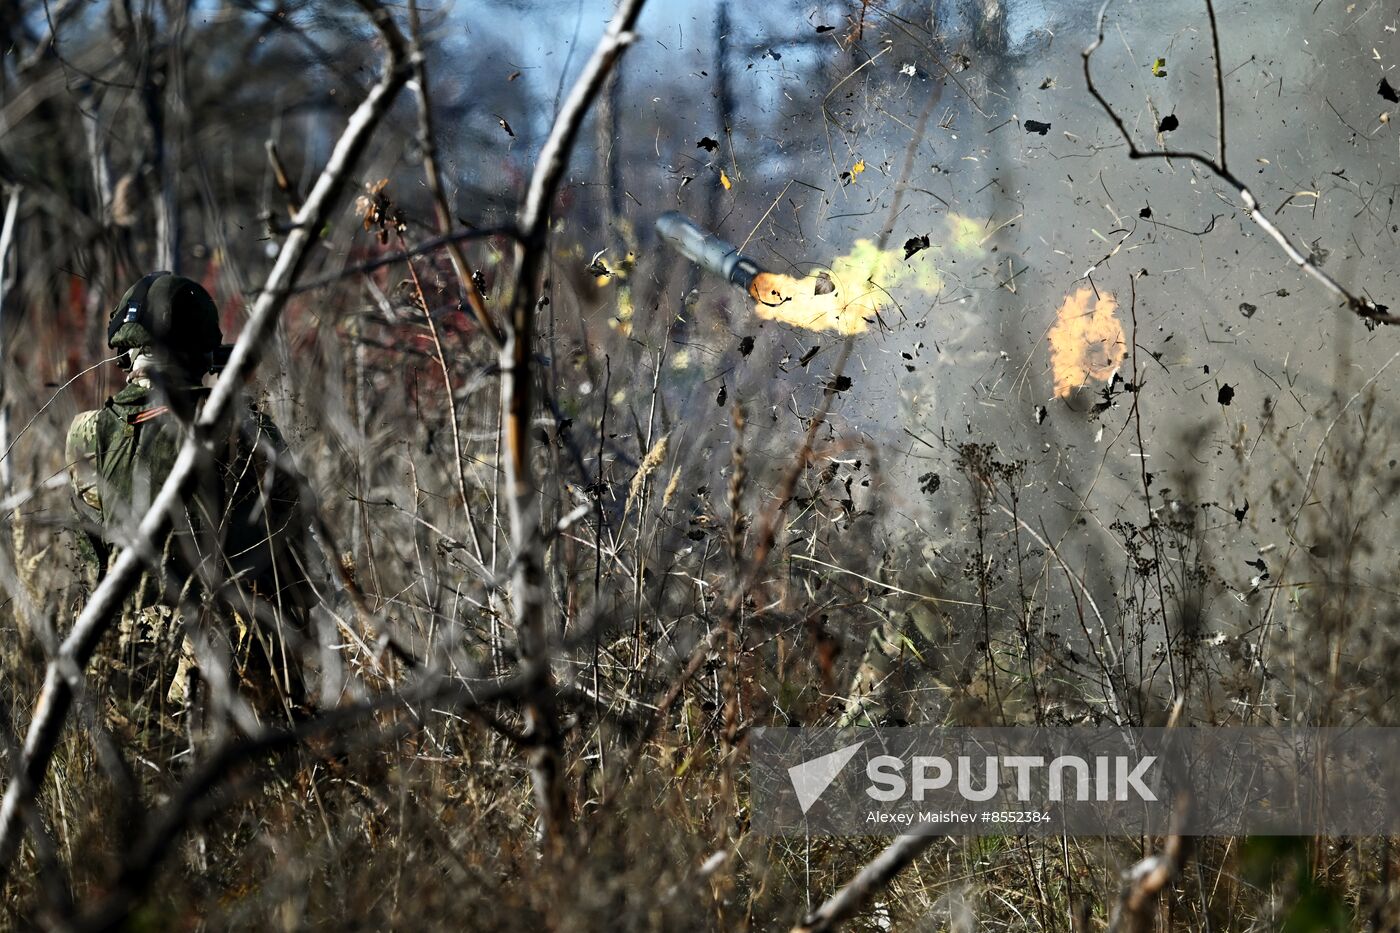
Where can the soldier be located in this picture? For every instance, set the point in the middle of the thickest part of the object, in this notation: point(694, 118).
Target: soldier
point(233, 555)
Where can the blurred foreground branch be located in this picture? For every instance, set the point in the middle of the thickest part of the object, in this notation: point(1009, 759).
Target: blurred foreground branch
point(1145, 881)
point(192, 802)
point(877, 873)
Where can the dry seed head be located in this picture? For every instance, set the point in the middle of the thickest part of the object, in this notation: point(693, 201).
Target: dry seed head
point(650, 463)
point(671, 487)
point(126, 198)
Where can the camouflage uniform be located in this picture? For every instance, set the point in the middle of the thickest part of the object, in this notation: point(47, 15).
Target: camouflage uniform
point(240, 524)
point(873, 697)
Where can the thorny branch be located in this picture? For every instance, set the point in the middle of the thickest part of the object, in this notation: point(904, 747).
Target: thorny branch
point(1363, 307)
point(63, 677)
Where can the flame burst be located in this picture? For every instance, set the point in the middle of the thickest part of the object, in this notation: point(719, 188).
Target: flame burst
point(813, 303)
point(1086, 342)
point(845, 296)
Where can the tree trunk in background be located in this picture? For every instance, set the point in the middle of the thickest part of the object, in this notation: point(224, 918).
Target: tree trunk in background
point(610, 169)
point(97, 152)
point(7, 236)
point(167, 226)
point(160, 97)
point(724, 107)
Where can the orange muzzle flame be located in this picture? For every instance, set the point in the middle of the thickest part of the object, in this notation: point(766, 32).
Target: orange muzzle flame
point(1086, 342)
point(812, 303)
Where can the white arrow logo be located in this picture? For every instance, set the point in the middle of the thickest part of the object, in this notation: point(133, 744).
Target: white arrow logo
point(811, 778)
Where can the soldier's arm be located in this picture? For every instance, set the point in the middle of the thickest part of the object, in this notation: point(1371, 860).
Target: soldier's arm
point(81, 454)
point(280, 485)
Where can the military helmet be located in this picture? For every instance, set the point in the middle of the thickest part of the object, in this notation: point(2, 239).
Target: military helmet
point(167, 311)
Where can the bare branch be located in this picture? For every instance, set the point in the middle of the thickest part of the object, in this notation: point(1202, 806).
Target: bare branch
point(459, 263)
point(878, 872)
point(1219, 87)
point(1363, 307)
point(517, 386)
point(279, 178)
point(427, 141)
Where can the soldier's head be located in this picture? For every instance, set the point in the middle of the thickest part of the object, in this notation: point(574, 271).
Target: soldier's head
point(168, 323)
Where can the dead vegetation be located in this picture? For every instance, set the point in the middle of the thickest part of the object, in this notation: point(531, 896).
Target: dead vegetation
point(578, 531)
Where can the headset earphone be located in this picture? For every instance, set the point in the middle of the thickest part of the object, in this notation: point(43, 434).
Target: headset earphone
point(135, 310)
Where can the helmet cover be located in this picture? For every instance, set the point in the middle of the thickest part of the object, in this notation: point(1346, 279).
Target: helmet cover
point(165, 311)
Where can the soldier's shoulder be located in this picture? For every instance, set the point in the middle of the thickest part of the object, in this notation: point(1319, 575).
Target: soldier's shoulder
point(82, 432)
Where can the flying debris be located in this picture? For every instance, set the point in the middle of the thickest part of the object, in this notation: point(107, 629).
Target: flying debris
point(597, 267)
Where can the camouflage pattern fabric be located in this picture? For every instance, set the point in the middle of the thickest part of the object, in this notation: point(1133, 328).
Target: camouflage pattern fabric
point(240, 524)
point(898, 677)
point(873, 696)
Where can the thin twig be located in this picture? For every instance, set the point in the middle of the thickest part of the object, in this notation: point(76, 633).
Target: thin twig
point(1363, 307)
point(389, 259)
point(454, 417)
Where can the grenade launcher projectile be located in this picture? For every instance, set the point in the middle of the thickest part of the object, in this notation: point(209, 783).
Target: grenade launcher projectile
point(707, 250)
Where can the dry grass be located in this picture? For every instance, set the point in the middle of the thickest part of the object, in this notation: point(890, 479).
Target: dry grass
point(707, 572)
